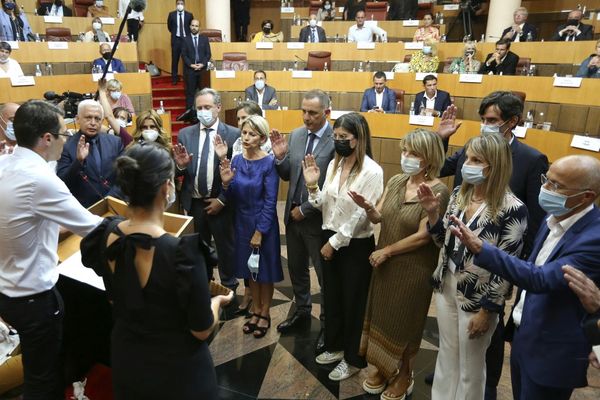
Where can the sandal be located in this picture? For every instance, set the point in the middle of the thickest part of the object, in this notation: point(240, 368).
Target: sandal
point(378, 389)
point(262, 330)
point(403, 396)
point(249, 326)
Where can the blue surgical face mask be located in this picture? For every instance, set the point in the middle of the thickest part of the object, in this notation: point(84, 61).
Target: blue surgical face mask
point(491, 129)
point(259, 84)
point(9, 132)
point(253, 263)
point(554, 203)
point(205, 117)
point(115, 95)
point(427, 50)
point(473, 174)
point(410, 165)
point(10, 6)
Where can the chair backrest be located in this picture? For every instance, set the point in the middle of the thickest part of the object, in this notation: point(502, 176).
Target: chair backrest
point(58, 35)
point(423, 9)
point(81, 6)
point(521, 95)
point(213, 35)
point(235, 61)
point(399, 99)
point(523, 65)
point(317, 59)
point(377, 10)
point(314, 7)
point(407, 58)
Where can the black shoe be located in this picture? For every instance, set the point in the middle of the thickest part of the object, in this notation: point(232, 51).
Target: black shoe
point(245, 311)
point(320, 343)
point(296, 321)
point(429, 378)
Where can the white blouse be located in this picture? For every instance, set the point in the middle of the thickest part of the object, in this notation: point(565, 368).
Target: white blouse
point(340, 213)
point(14, 69)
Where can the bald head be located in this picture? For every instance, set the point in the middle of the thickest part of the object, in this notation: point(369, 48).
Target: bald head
point(7, 113)
point(195, 26)
point(578, 172)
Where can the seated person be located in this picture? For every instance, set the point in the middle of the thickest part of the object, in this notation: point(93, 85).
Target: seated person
point(326, 12)
point(379, 98)
point(261, 93)
point(96, 34)
point(312, 33)
point(115, 65)
point(425, 60)
point(267, 34)
point(427, 31)
point(467, 64)
point(14, 25)
point(149, 128)
point(502, 61)
point(116, 97)
point(244, 110)
point(98, 9)
point(589, 66)
point(55, 8)
point(431, 101)
point(361, 33)
point(573, 30)
point(9, 67)
point(521, 30)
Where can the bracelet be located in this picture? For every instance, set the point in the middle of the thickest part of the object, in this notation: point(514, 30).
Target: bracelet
point(312, 187)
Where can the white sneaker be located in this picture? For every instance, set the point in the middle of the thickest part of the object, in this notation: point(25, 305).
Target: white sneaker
point(343, 371)
point(329, 357)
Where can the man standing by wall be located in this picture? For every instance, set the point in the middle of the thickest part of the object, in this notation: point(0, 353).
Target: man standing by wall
point(178, 23)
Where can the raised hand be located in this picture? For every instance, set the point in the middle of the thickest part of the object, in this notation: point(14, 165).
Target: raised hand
point(227, 173)
point(182, 157)
point(584, 288)
point(465, 235)
point(83, 149)
point(311, 170)
point(360, 200)
point(279, 144)
point(448, 125)
point(429, 200)
point(220, 147)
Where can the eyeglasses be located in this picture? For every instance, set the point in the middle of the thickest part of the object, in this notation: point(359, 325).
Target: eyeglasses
point(555, 186)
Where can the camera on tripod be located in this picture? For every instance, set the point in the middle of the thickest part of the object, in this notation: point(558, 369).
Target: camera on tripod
point(70, 100)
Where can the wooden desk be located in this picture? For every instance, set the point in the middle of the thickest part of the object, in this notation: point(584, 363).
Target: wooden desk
point(394, 29)
point(38, 52)
point(75, 24)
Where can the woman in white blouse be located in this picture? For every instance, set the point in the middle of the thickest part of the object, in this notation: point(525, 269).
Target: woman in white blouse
point(348, 237)
point(9, 67)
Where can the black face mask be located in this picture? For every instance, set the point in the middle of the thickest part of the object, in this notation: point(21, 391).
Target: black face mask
point(593, 69)
point(266, 30)
point(342, 147)
point(572, 22)
point(58, 3)
point(106, 55)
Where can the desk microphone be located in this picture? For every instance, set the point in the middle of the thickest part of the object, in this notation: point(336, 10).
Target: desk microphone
point(299, 59)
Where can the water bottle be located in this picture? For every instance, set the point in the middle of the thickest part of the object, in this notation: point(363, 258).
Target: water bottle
point(37, 37)
point(345, 38)
point(35, 11)
point(325, 67)
point(529, 37)
point(483, 38)
point(443, 39)
point(529, 119)
point(441, 18)
point(532, 69)
point(38, 71)
point(295, 65)
point(371, 17)
point(360, 67)
point(412, 109)
point(337, 37)
point(398, 110)
point(161, 109)
point(49, 70)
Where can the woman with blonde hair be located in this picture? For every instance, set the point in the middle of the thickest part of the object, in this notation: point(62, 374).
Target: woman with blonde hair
point(116, 97)
point(467, 64)
point(425, 60)
point(149, 128)
point(469, 298)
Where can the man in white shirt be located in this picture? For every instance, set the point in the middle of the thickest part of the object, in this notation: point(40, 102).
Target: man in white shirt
point(35, 203)
point(364, 33)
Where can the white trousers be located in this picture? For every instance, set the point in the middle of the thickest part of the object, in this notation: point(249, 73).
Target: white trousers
point(460, 366)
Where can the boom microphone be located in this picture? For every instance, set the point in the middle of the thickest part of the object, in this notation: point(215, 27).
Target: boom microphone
point(51, 95)
point(137, 5)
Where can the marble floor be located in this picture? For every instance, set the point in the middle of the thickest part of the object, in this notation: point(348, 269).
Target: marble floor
point(283, 366)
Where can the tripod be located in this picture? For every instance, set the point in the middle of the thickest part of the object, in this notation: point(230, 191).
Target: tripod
point(465, 15)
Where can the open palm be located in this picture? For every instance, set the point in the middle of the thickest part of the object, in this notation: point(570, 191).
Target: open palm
point(279, 144)
point(311, 170)
point(220, 147)
point(227, 173)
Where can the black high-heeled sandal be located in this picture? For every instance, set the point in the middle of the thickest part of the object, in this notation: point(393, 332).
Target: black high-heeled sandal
point(262, 330)
point(250, 327)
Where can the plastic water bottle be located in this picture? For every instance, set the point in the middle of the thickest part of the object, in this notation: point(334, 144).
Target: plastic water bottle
point(529, 37)
point(360, 67)
point(529, 119)
point(37, 37)
point(161, 109)
point(325, 67)
point(295, 65)
point(49, 70)
point(368, 66)
point(412, 109)
point(443, 39)
point(38, 71)
point(441, 18)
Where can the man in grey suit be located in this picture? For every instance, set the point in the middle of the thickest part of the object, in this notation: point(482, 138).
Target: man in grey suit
point(262, 94)
point(201, 194)
point(302, 221)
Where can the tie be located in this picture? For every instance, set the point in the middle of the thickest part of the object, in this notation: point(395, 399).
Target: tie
point(297, 199)
point(94, 155)
point(181, 33)
point(311, 142)
point(313, 36)
point(202, 170)
point(196, 48)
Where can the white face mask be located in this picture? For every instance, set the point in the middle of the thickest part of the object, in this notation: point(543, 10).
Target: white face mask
point(491, 129)
point(259, 84)
point(327, 6)
point(410, 165)
point(99, 3)
point(312, 23)
point(115, 95)
point(171, 196)
point(97, 26)
point(205, 117)
point(180, 7)
point(253, 263)
point(426, 49)
point(4, 58)
point(473, 174)
point(9, 132)
point(149, 135)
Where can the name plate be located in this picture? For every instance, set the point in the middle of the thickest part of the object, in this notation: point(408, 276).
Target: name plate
point(22, 81)
point(389, 75)
point(109, 76)
point(410, 22)
point(287, 10)
point(107, 20)
point(586, 143)
point(563, 81)
point(371, 24)
point(451, 7)
point(470, 78)
point(302, 74)
point(341, 9)
point(365, 45)
point(520, 131)
point(58, 45)
point(295, 45)
point(53, 19)
point(420, 75)
point(337, 113)
point(422, 120)
point(13, 44)
point(413, 46)
point(222, 74)
point(264, 45)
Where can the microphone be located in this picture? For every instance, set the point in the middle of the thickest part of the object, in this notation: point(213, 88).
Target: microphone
point(299, 59)
point(137, 5)
point(51, 95)
point(31, 37)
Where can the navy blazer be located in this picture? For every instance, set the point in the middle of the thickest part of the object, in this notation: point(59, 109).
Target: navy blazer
point(305, 34)
point(442, 101)
point(269, 94)
point(6, 33)
point(86, 183)
point(525, 181)
point(587, 33)
point(550, 343)
point(507, 67)
point(527, 28)
point(172, 23)
point(45, 9)
point(189, 54)
point(189, 138)
point(117, 65)
point(369, 101)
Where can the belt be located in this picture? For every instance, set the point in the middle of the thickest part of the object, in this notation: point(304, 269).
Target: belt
point(29, 297)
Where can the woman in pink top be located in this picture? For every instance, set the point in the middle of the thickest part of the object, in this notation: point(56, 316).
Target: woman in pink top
point(116, 97)
point(428, 31)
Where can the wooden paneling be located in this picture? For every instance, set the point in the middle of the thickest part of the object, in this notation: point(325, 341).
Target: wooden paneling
point(32, 52)
point(394, 29)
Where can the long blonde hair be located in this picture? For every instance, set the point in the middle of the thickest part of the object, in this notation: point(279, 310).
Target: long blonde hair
point(430, 147)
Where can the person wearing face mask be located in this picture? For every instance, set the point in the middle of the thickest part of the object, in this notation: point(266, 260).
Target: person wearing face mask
point(427, 32)
point(9, 67)
point(196, 55)
point(425, 60)
point(201, 194)
point(98, 9)
point(573, 30)
point(348, 240)
point(400, 288)
point(468, 298)
point(549, 354)
point(326, 11)
point(312, 33)
point(116, 65)
point(163, 312)
point(502, 61)
point(117, 118)
point(467, 64)
point(116, 97)
point(14, 25)
point(590, 67)
point(54, 8)
point(7, 129)
point(261, 93)
point(178, 24)
point(96, 34)
point(266, 34)
point(149, 128)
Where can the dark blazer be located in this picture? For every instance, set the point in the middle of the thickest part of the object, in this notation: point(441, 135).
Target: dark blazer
point(587, 33)
point(305, 34)
point(525, 183)
point(86, 183)
point(442, 101)
point(117, 65)
point(550, 344)
point(45, 8)
point(188, 53)
point(189, 138)
point(172, 23)
point(369, 100)
point(269, 94)
point(527, 28)
point(507, 67)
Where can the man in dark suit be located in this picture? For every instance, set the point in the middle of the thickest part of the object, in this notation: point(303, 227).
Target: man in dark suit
point(56, 7)
point(302, 221)
point(521, 30)
point(201, 195)
point(116, 65)
point(261, 93)
point(241, 18)
point(196, 55)
point(502, 61)
point(573, 30)
point(431, 101)
point(549, 355)
point(312, 33)
point(379, 98)
point(178, 23)
point(86, 163)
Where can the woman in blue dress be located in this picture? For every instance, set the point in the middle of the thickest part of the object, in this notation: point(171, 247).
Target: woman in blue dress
point(250, 182)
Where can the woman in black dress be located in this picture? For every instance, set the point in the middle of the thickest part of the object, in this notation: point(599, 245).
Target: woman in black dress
point(157, 284)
